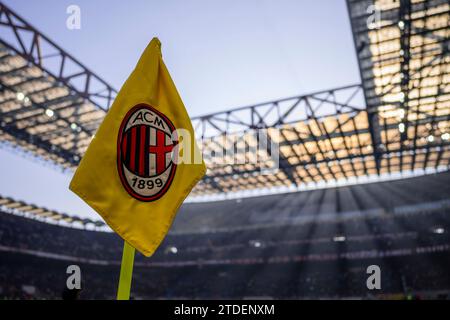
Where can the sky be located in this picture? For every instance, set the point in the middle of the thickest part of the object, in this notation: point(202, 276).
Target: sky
point(221, 55)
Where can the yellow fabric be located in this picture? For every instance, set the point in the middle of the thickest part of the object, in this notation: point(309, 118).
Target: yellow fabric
point(97, 182)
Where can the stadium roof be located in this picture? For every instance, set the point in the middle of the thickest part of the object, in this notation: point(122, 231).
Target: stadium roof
point(403, 54)
point(50, 103)
point(396, 120)
point(41, 213)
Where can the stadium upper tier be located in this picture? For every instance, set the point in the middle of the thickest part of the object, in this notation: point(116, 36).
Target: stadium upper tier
point(34, 211)
point(397, 120)
point(402, 196)
point(317, 205)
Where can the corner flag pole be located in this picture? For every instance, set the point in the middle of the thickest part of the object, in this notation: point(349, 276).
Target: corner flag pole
point(126, 272)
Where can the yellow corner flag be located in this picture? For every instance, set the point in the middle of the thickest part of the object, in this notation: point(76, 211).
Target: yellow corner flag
point(143, 161)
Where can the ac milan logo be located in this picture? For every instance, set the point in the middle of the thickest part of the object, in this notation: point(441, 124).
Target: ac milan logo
point(145, 153)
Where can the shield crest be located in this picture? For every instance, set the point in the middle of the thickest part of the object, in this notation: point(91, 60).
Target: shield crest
point(146, 153)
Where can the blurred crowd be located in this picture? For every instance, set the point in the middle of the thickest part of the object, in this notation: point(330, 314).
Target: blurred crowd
point(296, 249)
point(303, 261)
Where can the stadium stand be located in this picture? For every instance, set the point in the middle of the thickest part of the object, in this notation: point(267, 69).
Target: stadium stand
point(309, 244)
point(312, 244)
